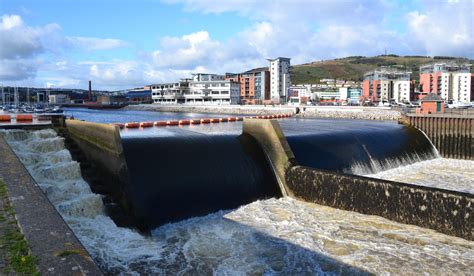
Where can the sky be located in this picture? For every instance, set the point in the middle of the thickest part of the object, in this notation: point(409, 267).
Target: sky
point(120, 44)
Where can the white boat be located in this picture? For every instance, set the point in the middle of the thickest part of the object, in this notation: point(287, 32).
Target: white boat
point(459, 105)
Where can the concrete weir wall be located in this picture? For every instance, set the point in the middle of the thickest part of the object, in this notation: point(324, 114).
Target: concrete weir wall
point(452, 136)
point(102, 146)
point(445, 211)
point(271, 138)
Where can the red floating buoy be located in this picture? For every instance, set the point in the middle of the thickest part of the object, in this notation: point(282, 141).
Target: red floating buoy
point(132, 125)
point(160, 123)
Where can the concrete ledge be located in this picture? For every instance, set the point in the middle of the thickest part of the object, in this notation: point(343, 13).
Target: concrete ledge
point(271, 138)
point(445, 211)
point(47, 233)
point(102, 146)
point(104, 136)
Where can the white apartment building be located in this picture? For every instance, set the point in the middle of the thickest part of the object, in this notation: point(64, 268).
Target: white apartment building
point(401, 91)
point(451, 81)
point(456, 86)
point(201, 89)
point(212, 89)
point(170, 93)
point(279, 79)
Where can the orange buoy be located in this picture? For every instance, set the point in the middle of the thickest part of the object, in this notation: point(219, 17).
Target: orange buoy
point(146, 124)
point(223, 120)
point(205, 121)
point(172, 123)
point(5, 118)
point(194, 122)
point(24, 117)
point(231, 119)
point(160, 123)
point(239, 118)
point(132, 125)
point(184, 122)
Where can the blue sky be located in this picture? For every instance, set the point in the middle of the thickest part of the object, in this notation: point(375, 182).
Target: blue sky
point(123, 43)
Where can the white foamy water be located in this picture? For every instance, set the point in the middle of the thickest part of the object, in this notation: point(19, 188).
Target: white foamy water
point(274, 236)
point(115, 249)
point(450, 174)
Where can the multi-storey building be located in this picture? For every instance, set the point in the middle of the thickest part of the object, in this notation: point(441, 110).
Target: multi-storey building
point(212, 89)
point(450, 81)
point(201, 89)
point(170, 93)
point(387, 85)
point(279, 79)
point(254, 85)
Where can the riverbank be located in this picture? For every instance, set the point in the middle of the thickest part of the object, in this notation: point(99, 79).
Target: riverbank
point(334, 112)
point(216, 109)
point(349, 112)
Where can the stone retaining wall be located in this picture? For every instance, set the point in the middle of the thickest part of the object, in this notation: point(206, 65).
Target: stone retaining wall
point(359, 113)
point(445, 211)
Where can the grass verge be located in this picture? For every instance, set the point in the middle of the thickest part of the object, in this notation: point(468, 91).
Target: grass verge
point(16, 255)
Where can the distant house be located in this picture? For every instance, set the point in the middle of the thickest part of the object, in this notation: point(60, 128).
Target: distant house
point(431, 104)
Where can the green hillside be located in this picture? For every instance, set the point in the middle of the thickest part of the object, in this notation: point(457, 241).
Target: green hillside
point(353, 68)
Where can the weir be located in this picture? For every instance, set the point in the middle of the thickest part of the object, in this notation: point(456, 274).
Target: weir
point(445, 211)
point(167, 178)
point(452, 136)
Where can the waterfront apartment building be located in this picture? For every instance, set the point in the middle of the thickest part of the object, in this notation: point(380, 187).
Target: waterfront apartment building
point(387, 85)
point(201, 89)
point(212, 89)
point(254, 85)
point(170, 93)
point(279, 79)
point(449, 81)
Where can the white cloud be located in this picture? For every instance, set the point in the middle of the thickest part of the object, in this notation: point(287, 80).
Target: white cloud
point(94, 43)
point(23, 48)
point(445, 29)
point(10, 21)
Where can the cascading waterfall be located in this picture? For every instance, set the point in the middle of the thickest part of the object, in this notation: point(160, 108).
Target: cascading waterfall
point(362, 151)
point(44, 155)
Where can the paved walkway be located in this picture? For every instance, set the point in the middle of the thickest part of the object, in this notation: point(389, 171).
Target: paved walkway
point(51, 241)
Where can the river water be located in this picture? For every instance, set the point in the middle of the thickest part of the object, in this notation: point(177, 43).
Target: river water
point(274, 236)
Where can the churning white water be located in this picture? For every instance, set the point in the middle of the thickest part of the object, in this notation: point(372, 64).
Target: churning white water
point(274, 236)
point(450, 174)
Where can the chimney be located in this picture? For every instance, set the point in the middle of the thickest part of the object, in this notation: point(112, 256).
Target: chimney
point(90, 90)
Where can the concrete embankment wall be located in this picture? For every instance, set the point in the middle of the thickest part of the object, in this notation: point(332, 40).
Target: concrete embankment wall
point(445, 211)
point(217, 109)
point(102, 146)
point(448, 212)
point(271, 138)
point(350, 112)
point(452, 136)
